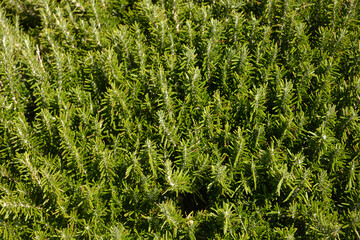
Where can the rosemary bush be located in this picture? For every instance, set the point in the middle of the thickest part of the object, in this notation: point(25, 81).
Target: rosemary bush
point(179, 119)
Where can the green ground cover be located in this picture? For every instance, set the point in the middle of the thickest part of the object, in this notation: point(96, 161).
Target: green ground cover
point(179, 119)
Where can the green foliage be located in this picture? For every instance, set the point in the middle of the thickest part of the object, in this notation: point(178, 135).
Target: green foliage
point(181, 119)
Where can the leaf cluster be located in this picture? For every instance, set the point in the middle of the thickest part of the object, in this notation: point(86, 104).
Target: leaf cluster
point(181, 119)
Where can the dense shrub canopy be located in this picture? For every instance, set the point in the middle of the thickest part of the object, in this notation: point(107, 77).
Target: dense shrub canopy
point(179, 119)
